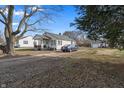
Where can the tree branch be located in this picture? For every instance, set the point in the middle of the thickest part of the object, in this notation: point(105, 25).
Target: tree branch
point(21, 23)
point(23, 20)
point(4, 17)
point(32, 12)
point(2, 21)
point(37, 21)
point(2, 14)
point(23, 32)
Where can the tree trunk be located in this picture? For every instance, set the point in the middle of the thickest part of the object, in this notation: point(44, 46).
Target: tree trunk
point(11, 46)
point(9, 43)
point(10, 31)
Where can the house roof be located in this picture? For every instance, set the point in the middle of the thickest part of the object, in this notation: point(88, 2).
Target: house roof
point(25, 37)
point(52, 36)
point(38, 37)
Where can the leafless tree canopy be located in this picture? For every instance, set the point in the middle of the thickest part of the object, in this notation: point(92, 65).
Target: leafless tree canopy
point(30, 18)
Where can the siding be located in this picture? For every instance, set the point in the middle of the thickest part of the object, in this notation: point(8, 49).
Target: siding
point(30, 41)
point(95, 45)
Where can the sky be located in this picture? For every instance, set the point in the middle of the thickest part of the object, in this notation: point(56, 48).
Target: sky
point(61, 21)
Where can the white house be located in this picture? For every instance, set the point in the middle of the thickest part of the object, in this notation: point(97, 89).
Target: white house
point(98, 44)
point(25, 42)
point(95, 44)
point(51, 41)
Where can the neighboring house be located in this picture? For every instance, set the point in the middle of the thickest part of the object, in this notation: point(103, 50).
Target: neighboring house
point(95, 44)
point(25, 42)
point(51, 41)
point(98, 44)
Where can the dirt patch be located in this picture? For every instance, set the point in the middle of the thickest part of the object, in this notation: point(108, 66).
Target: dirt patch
point(21, 53)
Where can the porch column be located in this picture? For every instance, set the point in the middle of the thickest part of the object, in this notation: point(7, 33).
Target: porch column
point(42, 44)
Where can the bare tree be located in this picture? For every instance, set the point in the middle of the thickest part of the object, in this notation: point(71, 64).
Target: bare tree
point(26, 22)
point(1, 38)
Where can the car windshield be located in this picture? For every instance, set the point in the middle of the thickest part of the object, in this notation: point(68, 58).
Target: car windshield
point(66, 45)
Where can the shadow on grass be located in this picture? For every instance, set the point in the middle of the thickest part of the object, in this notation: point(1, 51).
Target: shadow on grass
point(24, 49)
point(16, 56)
point(67, 72)
point(83, 73)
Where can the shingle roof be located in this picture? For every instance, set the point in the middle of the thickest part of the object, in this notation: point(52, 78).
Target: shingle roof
point(25, 37)
point(39, 37)
point(52, 36)
point(56, 36)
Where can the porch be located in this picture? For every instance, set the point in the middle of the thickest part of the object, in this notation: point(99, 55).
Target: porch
point(45, 44)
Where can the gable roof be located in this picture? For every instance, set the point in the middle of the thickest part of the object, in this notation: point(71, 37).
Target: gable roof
point(53, 36)
point(25, 37)
point(39, 37)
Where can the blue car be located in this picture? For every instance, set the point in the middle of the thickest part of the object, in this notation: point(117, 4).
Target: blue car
point(69, 48)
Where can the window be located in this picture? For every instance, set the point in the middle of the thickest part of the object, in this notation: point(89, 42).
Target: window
point(59, 42)
point(53, 42)
point(25, 42)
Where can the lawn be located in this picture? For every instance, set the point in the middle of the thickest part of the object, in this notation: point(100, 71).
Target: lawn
point(86, 67)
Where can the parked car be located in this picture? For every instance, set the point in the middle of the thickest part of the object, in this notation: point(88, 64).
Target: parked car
point(69, 48)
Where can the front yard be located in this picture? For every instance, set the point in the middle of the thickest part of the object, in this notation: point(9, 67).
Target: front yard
point(86, 67)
